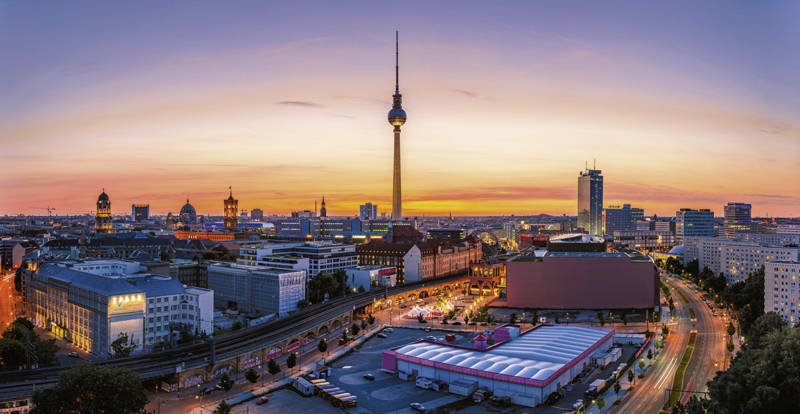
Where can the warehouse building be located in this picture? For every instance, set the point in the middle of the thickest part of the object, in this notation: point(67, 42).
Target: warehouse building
point(528, 366)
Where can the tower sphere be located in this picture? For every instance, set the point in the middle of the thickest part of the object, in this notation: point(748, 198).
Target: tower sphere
point(397, 116)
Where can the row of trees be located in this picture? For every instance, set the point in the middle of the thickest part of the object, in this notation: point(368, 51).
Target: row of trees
point(333, 284)
point(15, 350)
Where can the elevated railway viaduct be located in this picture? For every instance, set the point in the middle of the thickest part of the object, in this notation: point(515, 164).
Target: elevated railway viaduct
point(193, 364)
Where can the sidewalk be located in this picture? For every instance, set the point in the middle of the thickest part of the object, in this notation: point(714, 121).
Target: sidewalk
point(209, 407)
point(610, 396)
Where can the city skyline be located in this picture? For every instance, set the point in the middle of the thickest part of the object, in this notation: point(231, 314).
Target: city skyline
point(682, 107)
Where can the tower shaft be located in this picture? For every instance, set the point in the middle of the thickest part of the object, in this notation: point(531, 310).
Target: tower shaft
point(397, 199)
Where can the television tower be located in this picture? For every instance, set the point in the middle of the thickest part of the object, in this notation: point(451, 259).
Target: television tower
point(397, 117)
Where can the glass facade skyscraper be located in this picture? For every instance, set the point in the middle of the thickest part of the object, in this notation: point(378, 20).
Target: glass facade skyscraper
point(622, 219)
point(738, 219)
point(693, 223)
point(590, 201)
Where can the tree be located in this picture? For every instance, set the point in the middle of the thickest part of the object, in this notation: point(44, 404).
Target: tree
point(322, 346)
point(12, 353)
point(364, 324)
point(600, 401)
point(164, 256)
point(558, 320)
point(226, 382)
point(464, 291)
point(764, 325)
point(237, 325)
point(123, 346)
point(649, 353)
point(466, 318)
point(729, 345)
point(763, 378)
point(659, 263)
point(671, 305)
point(731, 330)
point(677, 408)
point(252, 376)
point(371, 319)
point(513, 319)
point(624, 318)
point(630, 376)
point(88, 388)
point(344, 334)
point(601, 318)
point(641, 364)
point(354, 330)
point(223, 408)
point(273, 368)
point(18, 279)
point(489, 318)
point(535, 318)
point(696, 406)
point(302, 304)
point(617, 387)
point(665, 329)
point(291, 362)
point(746, 318)
point(361, 289)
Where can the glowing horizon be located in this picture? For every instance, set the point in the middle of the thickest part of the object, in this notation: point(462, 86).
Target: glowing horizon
point(681, 106)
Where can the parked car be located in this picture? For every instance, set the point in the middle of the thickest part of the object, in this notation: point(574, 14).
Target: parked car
point(472, 323)
point(262, 400)
point(456, 323)
point(428, 329)
point(403, 305)
point(432, 338)
point(388, 330)
point(73, 354)
point(342, 341)
point(417, 407)
point(205, 391)
point(382, 335)
point(369, 377)
point(424, 321)
point(578, 405)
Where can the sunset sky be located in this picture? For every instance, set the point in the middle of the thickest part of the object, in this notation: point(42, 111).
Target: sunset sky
point(682, 104)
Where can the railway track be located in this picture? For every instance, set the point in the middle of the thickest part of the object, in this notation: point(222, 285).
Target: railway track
point(18, 384)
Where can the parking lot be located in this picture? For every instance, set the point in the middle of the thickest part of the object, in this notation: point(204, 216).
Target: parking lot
point(389, 394)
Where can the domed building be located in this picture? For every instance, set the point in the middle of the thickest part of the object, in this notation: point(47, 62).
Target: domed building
point(171, 222)
point(188, 215)
point(102, 219)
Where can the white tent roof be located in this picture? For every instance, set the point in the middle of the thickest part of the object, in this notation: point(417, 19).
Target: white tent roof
point(535, 355)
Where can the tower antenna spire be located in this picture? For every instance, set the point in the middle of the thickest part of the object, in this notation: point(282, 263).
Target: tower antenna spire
point(397, 60)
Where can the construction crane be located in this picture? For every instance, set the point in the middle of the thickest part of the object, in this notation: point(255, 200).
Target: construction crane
point(49, 210)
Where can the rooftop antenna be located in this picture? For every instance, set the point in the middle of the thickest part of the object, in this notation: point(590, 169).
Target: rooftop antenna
point(594, 167)
point(587, 165)
point(397, 61)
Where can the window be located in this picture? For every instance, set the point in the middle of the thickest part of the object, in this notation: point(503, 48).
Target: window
point(151, 301)
point(150, 310)
point(158, 300)
point(191, 307)
point(151, 320)
point(158, 309)
point(184, 307)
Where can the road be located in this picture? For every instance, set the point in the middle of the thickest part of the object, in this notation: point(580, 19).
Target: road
point(650, 393)
point(7, 301)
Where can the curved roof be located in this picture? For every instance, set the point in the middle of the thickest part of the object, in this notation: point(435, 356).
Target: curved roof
point(677, 249)
point(103, 197)
point(536, 355)
point(187, 208)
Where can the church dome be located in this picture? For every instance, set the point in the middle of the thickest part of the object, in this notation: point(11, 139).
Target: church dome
point(103, 197)
point(187, 209)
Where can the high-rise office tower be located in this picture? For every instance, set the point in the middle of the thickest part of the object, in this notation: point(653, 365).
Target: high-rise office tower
point(693, 223)
point(257, 214)
point(368, 211)
point(590, 201)
point(737, 219)
point(397, 117)
point(102, 219)
point(231, 212)
point(622, 219)
point(140, 212)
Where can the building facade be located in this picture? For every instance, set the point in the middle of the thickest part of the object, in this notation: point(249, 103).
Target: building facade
point(172, 308)
point(255, 289)
point(102, 218)
point(582, 281)
point(140, 212)
point(86, 309)
point(693, 223)
point(310, 257)
point(773, 239)
point(622, 219)
point(372, 277)
point(734, 257)
point(368, 211)
point(782, 289)
point(257, 214)
point(422, 260)
point(647, 239)
point(738, 219)
point(590, 201)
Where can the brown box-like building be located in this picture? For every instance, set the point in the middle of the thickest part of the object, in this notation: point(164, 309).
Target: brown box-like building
point(582, 281)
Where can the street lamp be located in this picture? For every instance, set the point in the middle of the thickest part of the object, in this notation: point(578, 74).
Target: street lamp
point(262, 376)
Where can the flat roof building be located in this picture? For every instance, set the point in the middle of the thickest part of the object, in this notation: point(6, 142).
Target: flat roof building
point(256, 289)
point(736, 258)
point(582, 281)
point(781, 282)
point(622, 219)
point(534, 363)
point(693, 223)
